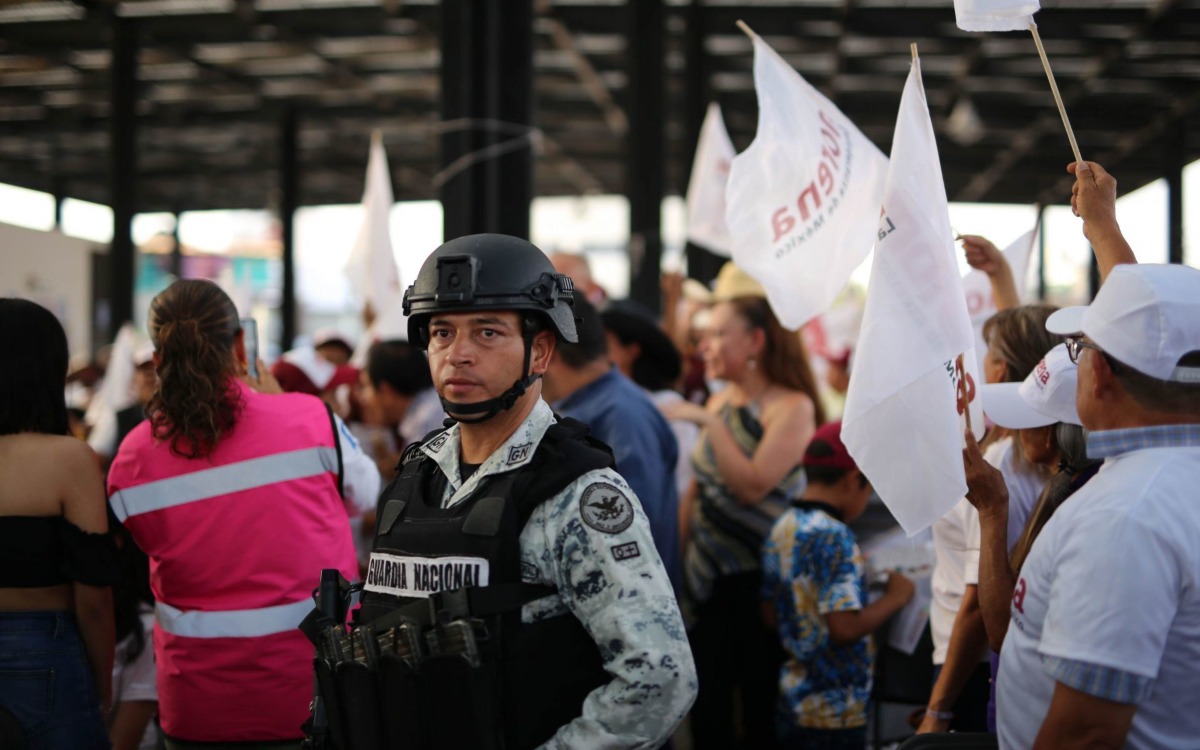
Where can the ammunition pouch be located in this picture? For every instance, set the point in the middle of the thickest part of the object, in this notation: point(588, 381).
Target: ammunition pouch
point(384, 683)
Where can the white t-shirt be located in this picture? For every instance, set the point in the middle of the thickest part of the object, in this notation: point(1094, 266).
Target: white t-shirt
point(948, 582)
point(1025, 484)
point(1114, 580)
point(135, 681)
point(956, 547)
point(360, 475)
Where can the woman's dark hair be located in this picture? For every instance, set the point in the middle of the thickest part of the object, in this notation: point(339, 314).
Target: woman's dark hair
point(193, 325)
point(784, 360)
point(1071, 443)
point(33, 369)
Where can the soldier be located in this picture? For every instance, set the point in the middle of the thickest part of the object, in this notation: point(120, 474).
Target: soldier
point(509, 544)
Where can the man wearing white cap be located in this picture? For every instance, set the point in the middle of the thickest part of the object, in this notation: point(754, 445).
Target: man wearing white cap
point(1106, 609)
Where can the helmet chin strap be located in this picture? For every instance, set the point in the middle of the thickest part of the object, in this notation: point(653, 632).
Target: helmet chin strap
point(490, 408)
point(482, 411)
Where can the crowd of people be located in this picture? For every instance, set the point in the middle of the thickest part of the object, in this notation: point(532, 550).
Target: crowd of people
point(562, 521)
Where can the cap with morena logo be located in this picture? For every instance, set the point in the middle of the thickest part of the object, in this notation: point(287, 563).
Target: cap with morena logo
point(1045, 397)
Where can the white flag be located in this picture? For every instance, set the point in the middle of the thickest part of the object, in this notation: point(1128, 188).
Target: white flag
point(915, 365)
point(371, 267)
point(803, 199)
point(994, 15)
point(706, 191)
point(390, 324)
point(977, 289)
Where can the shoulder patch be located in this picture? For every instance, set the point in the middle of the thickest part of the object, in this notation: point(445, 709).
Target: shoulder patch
point(605, 508)
point(626, 551)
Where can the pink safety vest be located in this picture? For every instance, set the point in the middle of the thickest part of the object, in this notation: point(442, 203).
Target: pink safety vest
point(237, 541)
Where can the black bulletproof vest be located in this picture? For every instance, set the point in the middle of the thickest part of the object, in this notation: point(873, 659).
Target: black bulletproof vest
point(541, 672)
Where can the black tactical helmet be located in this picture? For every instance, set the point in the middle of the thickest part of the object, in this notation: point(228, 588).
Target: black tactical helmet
point(489, 272)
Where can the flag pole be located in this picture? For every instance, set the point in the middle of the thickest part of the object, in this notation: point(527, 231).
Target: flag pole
point(1037, 40)
point(748, 31)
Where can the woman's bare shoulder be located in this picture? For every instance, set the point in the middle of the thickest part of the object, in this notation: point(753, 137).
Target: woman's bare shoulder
point(786, 402)
point(31, 445)
point(38, 468)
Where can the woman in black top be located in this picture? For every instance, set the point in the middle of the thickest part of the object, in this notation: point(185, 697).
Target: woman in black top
point(56, 561)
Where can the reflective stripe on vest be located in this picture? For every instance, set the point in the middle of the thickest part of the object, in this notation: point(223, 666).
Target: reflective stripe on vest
point(223, 480)
point(235, 623)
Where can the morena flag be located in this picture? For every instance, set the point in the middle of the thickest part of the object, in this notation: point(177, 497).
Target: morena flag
point(371, 267)
point(994, 15)
point(803, 198)
point(706, 190)
point(913, 389)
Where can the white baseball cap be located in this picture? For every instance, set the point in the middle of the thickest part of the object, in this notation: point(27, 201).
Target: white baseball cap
point(1046, 397)
point(323, 336)
point(1146, 316)
point(144, 354)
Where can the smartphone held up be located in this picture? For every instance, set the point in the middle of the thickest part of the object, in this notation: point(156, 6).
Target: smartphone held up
point(250, 327)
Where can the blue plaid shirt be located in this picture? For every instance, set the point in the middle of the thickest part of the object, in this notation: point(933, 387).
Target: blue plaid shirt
point(1106, 682)
point(1107, 443)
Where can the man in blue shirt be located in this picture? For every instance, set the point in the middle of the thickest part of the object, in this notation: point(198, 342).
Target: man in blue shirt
point(582, 383)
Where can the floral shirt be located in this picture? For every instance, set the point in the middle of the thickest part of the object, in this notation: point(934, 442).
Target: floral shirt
point(811, 567)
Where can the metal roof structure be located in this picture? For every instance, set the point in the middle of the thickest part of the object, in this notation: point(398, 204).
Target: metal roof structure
point(214, 76)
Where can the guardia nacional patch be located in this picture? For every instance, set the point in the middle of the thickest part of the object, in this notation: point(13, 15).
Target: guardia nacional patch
point(605, 508)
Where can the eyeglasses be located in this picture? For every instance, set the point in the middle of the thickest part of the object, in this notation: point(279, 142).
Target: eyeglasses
point(1076, 345)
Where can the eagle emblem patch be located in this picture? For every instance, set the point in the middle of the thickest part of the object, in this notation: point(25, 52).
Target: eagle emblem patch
point(605, 508)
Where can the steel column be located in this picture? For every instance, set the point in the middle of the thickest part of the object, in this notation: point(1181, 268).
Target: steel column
point(176, 267)
point(1176, 155)
point(123, 174)
point(645, 170)
point(702, 264)
point(289, 198)
point(487, 79)
point(1041, 277)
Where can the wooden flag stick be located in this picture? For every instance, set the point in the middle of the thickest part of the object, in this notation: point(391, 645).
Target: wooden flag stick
point(1037, 40)
point(913, 47)
point(748, 31)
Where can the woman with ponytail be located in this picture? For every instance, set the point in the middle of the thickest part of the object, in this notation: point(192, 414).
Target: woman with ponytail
point(235, 492)
point(57, 563)
point(1042, 412)
point(1016, 341)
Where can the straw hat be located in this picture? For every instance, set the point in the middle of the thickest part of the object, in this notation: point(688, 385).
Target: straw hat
point(732, 282)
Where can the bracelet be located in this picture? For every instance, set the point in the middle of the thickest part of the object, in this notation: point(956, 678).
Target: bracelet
point(939, 715)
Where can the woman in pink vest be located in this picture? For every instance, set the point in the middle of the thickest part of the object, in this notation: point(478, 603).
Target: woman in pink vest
point(234, 495)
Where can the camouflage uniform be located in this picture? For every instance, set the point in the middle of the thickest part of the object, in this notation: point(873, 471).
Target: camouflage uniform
point(592, 542)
